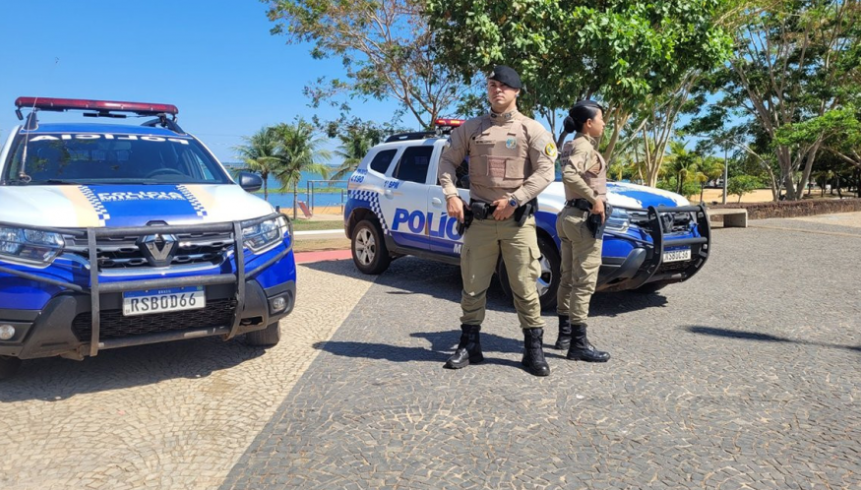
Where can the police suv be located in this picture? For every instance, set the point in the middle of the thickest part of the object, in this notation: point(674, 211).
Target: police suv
point(396, 207)
point(118, 235)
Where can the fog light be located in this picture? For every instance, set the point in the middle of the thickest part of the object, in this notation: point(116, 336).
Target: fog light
point(6, 332)
point(278, 304)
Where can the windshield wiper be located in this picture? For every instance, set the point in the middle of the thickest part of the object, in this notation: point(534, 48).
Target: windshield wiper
point(54, 182)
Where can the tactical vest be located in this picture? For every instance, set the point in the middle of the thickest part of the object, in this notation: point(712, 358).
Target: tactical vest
point(498, 158)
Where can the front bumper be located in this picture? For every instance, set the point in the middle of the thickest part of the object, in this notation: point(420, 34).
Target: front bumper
point(81, 321)
point(644, 264)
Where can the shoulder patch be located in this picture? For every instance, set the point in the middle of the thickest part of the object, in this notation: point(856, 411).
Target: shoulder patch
point(550, 150)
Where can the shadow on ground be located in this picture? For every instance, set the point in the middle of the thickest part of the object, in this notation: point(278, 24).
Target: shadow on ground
point(762, 337)
point(410, 275)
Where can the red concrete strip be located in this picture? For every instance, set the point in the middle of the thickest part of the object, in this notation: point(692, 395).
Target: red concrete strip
point(306, 257)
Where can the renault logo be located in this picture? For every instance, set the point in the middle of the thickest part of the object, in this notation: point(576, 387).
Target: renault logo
point(158, 249)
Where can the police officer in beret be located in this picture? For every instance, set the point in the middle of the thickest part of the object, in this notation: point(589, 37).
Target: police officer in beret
point(584, 175)
point(511, 159)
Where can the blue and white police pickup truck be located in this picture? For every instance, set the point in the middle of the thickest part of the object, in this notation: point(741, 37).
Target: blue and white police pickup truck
point(396, 207)
point(116, 235)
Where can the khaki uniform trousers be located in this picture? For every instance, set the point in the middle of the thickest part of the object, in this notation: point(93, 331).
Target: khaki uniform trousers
point(482, 244)
point(581, 260)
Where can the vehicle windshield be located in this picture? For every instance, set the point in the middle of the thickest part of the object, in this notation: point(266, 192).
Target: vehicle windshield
point(58, 158)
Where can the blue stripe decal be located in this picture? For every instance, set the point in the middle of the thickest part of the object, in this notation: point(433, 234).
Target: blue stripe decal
point(136, 205)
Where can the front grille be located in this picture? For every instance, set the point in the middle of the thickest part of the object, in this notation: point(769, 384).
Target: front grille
point(671, 222)
point(123, 252)
point(673, 267)
point(217, 313)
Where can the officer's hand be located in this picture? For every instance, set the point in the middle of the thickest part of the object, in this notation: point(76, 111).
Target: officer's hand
point(454, 207)
point(503, 209)
point(598, 208)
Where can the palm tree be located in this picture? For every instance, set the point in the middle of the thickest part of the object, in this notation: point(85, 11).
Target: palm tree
point(680, 163)
point(355, 144)
point(709, 169)
point(259, 153)
point(298, 151)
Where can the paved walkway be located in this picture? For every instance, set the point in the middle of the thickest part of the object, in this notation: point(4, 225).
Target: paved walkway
point(748, 376)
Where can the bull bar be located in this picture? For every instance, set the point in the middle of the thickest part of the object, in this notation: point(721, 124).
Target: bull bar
point(649, 265)
point(95, 289)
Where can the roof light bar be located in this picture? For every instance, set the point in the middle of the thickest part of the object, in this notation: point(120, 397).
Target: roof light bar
point(54, 104)
point(450, 122)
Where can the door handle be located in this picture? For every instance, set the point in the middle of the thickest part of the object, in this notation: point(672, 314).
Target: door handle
point(436, 202)
point(388, 193)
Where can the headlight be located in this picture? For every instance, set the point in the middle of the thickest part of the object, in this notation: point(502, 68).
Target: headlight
point(29, 246)
point(266, 234)
point(618, 220)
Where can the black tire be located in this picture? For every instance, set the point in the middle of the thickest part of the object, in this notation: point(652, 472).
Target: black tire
point(650, 288)
point(267, 337)
point(9, 366)
point(370, 253)
point(548, 282)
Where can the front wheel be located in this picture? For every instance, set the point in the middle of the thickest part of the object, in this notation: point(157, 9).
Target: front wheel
point(9, 366)
point(268, 337)
point(548, 282)
point(370, 253)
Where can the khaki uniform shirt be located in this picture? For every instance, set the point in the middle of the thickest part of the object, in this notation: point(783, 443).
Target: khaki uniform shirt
point(584, 172)
point(510, 155)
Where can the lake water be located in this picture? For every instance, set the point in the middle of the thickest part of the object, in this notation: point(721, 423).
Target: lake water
point(327, 198)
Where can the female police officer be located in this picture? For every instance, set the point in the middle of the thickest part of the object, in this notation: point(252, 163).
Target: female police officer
point(584, 174)
point(511, 161)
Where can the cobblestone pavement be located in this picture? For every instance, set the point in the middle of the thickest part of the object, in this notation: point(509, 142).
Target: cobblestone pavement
point(168, 416)
point(748, 376)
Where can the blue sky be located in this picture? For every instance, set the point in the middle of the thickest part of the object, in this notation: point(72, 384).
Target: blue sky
point(215, 60)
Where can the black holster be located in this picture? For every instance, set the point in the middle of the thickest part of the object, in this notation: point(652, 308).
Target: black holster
point(594, 224)
point(523, 213)
point(468, 216)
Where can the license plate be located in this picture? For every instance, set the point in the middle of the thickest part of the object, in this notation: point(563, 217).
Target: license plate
point(677, 255)
point(163, 300)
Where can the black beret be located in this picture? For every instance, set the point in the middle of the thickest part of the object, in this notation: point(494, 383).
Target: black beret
point(506, 75)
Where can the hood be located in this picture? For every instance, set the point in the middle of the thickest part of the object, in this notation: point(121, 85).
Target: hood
point(620, 194)
point(71, 206)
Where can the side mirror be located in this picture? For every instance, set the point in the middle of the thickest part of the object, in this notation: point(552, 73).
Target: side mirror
point(250, 182)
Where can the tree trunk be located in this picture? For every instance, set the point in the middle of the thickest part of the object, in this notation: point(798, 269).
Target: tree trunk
point(702, 190)
point(295, 200)
point(619, 121)
point(265, 176)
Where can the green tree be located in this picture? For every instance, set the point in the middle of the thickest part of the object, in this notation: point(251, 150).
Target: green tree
point(794, 60)
point(356, 141)
point(259, 154)
point(298, 151)
point(710, 169)
point(619, 52)
point(741, 185)
point(681, 165)
point(385, 47)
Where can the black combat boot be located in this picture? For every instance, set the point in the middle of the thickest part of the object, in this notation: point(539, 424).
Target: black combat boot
point(564, 340)
point(533, 357)
point(581, 349)
point(468, 350)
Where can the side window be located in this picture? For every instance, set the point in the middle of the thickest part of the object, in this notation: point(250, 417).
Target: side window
point(414, 164)
point(382, 160)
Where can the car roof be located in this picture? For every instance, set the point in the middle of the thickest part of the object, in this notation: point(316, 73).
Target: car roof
point(101, 128)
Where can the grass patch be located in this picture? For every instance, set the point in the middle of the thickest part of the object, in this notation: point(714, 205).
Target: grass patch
point(321, 245)
point(311, 224)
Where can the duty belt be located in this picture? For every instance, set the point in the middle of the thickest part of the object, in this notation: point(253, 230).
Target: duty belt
point(481, 210)
point(580, 204)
